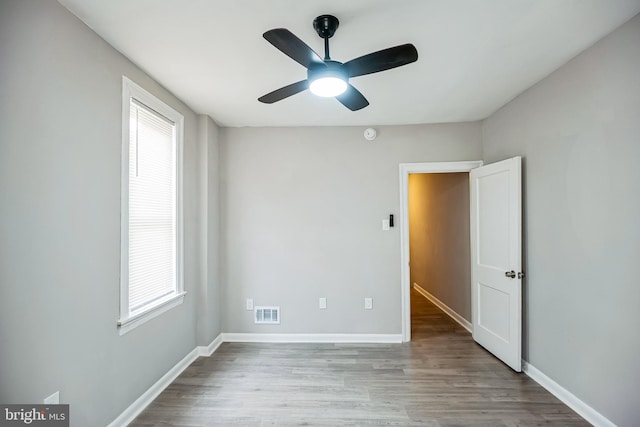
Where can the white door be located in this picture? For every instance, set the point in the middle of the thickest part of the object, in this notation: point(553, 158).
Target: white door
point(496, 257)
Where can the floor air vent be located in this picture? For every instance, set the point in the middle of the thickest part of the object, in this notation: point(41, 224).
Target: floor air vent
point(268, 315)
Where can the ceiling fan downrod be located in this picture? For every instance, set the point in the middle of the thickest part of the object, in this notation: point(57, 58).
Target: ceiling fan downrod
point(326, 26)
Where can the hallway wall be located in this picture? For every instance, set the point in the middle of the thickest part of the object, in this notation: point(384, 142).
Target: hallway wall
point(439, 237)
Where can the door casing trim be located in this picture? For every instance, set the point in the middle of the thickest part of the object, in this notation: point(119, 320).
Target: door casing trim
point(405, 170)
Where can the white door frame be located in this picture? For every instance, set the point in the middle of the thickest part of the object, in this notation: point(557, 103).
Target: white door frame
point(405, 170)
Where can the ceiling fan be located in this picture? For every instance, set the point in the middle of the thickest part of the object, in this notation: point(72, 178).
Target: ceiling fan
point(329, 78)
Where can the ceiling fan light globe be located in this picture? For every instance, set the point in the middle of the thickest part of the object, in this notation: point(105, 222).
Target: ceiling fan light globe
point(328, 86)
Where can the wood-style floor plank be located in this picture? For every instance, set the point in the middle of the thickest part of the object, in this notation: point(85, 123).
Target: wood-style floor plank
point(442, 378)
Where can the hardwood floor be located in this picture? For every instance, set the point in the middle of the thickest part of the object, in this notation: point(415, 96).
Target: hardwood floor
point(442, 378)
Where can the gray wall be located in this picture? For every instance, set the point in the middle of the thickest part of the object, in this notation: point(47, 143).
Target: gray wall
point(579, 133)
point(301, 219)
point(208, 321)
point(439, 245)
point(60, 145)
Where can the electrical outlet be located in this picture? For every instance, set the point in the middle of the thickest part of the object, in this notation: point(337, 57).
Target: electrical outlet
point(368, 303)
point(322, 303)
point(54, 399)
point(249, 304)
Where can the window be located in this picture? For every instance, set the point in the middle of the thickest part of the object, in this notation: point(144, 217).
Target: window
point(151, 254)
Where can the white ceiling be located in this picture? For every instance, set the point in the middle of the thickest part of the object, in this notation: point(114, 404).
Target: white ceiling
point(474, 56)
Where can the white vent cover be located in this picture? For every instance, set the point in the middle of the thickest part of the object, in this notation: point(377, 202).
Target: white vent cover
point(268, 315)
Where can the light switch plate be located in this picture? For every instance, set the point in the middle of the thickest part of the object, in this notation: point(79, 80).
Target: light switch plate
point(249, 304)
point(385, 225)
point(322, 303)
point(368, 303)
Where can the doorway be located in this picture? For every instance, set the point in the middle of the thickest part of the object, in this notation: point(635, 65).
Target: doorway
point(439, 244)
point(407, 169)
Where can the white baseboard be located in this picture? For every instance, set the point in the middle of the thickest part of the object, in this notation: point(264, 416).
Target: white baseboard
point(566, 397)
point(444, 307)
point(206, 351)
point(154, 391)
point(314, 338)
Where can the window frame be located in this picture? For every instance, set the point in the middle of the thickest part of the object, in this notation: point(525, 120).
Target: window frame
point(128, 321)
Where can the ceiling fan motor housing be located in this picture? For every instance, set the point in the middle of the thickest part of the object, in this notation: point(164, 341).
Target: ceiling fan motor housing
point(332, 68)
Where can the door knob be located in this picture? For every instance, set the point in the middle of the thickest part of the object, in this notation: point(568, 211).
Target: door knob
point(510, 274)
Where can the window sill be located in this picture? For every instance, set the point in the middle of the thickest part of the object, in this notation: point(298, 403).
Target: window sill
point(127, 324)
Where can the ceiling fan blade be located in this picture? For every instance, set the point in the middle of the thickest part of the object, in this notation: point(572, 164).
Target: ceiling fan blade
point(381, 60)
point(353, 99)
point(284, 92)
point(293, 47)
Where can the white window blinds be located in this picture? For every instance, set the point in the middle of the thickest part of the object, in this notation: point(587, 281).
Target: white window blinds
point(152, 208)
